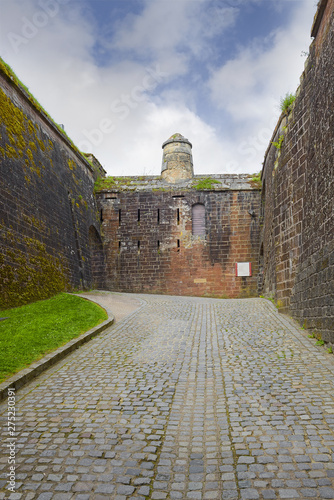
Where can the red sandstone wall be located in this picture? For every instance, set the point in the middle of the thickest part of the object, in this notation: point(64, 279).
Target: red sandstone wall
point(298, 193)
point(199, 266)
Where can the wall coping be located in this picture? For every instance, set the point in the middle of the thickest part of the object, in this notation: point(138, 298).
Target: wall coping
point(220, 182)
point(14, 81)
point(318, 17)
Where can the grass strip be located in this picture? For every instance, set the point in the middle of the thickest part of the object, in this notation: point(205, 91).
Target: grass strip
point(33, 330)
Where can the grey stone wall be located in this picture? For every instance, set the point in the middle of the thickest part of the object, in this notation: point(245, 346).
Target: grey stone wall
point(47, 206)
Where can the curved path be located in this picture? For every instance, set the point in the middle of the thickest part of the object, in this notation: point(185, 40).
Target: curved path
point(182, 398)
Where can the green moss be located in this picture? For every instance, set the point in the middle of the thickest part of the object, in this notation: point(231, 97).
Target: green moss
point(10, 152)
point(202, 184)
point(27, 271)
point(30, 155)
point(37, 224)
point(255, 180)
point(71, 164)
point(278, 144)
point(104, 183)
point(31, 128)
point(7, 70)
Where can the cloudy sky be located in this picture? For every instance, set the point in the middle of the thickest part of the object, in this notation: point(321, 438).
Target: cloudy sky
point(124, 75)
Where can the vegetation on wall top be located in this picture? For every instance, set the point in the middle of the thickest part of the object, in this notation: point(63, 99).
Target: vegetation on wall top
point(8, 71)
point(104, 183)
point(255, 180)
point(206, 183)
point(286, 102)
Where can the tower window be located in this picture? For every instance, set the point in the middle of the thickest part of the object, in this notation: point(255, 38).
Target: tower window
point(178, 216)
point(158, 216)
point(119, 217)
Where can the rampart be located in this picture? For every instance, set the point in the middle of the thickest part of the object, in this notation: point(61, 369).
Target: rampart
point(297, 244)
point(49, 226)
point(176, 233)
point(182, 238)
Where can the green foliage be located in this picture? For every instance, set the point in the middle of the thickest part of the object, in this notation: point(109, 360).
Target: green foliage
point(271, 300)
point(7, 70)
point(278, 144)
point(286, 102)
point(255, 180)
point(311, 336)
point(104, 183)
point(33, 330)
point(330, 350)
point(207, 183)
point(320, 342)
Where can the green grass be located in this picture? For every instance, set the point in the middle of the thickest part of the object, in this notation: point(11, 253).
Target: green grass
point(286, 102)
point(35, 329)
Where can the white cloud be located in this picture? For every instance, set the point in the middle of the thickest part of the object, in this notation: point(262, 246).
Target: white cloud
point(248, 88)
point(124, 111)
point(173, 32)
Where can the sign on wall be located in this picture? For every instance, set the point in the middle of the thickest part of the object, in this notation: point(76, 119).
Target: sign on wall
point(243, 269)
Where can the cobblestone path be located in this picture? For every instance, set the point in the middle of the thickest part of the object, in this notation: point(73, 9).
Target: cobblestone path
point(186, 398)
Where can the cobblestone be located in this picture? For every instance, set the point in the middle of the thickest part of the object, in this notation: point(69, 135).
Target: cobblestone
point(183, 398)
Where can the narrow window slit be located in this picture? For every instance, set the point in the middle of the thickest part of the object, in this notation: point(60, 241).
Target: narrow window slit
point(178, 245)
point(138, 218)
point(178, 216)
point(119, 217)
point(158, 218)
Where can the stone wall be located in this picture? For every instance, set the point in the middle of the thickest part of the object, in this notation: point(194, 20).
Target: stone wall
point(297, 250)
point(150, 248)
point(49, 225)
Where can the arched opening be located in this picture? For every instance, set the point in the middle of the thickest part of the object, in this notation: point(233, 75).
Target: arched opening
point(198, 219)
point(96, 258)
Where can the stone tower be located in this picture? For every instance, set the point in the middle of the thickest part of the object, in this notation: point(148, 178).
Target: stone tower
point(177, 160)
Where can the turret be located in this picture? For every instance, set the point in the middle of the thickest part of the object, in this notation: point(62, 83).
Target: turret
point(177, 160)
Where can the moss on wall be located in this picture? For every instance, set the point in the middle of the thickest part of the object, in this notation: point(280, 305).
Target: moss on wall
point(46, 203)
point(9, 73)
point(21, 138)
point(30, 273)
point(206, 183)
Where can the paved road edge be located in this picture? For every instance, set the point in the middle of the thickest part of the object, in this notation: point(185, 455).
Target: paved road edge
point(24, 376)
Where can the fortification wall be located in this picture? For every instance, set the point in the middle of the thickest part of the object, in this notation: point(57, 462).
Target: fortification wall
point(297, 251)
point(150, 246)
point(49, 225)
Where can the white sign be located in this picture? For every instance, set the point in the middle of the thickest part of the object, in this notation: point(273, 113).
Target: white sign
point(243, 269)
